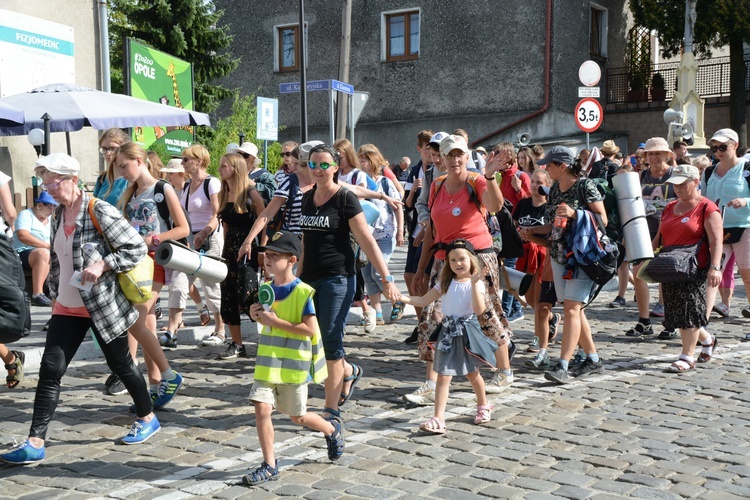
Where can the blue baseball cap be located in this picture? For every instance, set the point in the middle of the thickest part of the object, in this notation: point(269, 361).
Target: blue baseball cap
point(44, 197)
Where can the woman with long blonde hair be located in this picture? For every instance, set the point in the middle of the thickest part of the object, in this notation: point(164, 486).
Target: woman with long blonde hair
point(240, 205)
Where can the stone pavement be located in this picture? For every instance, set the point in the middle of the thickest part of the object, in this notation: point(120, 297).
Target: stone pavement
point(632, 431)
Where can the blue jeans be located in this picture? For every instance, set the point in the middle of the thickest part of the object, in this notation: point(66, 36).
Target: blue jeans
point(373, 280)
point(510, 304)
point(333, 298)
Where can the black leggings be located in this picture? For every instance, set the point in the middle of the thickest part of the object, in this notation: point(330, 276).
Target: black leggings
point(63, 339)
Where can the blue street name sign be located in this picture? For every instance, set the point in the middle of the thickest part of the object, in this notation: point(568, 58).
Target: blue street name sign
point(293, 87)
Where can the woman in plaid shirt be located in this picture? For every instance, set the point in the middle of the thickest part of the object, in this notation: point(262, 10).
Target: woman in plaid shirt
point(83, 277)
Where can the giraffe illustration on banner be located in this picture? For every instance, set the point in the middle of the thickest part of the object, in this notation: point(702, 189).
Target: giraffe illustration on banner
point(177, 101)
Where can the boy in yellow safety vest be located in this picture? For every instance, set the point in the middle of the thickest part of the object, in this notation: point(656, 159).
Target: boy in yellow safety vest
point(290, 354)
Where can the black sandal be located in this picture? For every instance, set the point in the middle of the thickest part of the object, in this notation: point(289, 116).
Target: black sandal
point(262, 474)
point(357, 373)
point(12, 381)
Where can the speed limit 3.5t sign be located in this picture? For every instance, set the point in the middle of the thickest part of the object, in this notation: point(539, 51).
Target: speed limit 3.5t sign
point(589, 114)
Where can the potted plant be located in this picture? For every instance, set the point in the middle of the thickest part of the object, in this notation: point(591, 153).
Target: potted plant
point(658, 88)
point(638, 90)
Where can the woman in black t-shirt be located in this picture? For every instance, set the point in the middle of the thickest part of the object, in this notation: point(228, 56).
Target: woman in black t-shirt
point(329, 215)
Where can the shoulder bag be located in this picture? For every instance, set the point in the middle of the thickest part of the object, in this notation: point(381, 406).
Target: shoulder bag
point(136, 284)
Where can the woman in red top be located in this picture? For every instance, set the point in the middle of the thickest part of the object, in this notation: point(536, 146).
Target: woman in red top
point(686, 221)
point(454, 214)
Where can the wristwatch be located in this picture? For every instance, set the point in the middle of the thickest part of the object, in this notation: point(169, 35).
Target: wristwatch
point(715, 268)
point(387, 279)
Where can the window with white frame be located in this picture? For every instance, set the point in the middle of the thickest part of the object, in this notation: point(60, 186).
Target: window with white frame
point(400, 32)
point(598, 31)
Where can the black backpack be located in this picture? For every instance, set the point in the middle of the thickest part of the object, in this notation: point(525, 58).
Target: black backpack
point(163, 209)
point(15, 309)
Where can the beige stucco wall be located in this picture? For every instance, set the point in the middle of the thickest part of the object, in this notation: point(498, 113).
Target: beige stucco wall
point(17, 156)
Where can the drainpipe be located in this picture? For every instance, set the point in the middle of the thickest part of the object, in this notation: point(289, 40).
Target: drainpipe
point(104, 45)
point(547, 71)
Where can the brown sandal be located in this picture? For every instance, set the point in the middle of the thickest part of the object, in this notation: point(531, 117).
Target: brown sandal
point(681, 366)
point(12, 380)
point(705, 357)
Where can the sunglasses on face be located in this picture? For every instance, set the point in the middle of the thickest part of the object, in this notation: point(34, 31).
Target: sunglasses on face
point(721, 148)
point(111, 150)
point(324, 165)
point(286, 153)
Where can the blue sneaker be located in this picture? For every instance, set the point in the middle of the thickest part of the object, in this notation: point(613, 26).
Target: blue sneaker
point(23, 454)
point(141, 430)
point(167, 390)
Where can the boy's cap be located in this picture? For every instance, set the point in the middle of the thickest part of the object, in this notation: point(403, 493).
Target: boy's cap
point(438, 138)
point(284, 242)
point(460, 243)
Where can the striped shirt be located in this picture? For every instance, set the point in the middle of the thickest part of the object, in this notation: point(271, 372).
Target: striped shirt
point(293, 215)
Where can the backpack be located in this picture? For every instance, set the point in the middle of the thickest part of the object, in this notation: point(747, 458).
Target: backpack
point(15, 308)
point(710, 171)
point(602, 259)
point(386, 190)
point(261, 176)
point(280, 219)
point(163, 209)
point(610, 206)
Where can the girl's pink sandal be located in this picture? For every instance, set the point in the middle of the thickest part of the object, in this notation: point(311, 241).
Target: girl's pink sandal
point(484, 414)
point(433, 426)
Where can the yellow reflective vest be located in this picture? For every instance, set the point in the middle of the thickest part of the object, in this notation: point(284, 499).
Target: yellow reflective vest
point(287, 358)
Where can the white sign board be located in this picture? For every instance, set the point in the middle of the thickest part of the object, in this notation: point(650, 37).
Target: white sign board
point(267, 126)
point(33, 52)
point(589, 73)
point(588, 92)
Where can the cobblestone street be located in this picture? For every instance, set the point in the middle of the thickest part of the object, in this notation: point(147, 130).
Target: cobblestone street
point(632, 431)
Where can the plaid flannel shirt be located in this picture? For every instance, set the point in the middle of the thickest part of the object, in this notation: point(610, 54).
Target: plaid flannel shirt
point(110, 310)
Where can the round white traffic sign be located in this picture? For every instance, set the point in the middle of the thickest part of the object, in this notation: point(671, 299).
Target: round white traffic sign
point(589, 114)
point(589, 73)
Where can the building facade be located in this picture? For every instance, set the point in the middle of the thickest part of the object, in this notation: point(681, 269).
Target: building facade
point(496, 69)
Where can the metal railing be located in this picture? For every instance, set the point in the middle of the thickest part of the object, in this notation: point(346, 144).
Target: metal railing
point(712, 81)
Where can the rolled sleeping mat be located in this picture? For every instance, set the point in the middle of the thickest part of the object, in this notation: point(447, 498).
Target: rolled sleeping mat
point(519, 281)
point(632, 213)
point(173, 255)
point(371, 210)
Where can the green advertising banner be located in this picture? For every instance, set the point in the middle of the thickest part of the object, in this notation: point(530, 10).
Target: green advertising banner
point(160, 77)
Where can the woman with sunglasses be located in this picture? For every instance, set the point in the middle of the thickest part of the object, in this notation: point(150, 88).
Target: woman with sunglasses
point(329, 215)
point(728, 182)
point(288, 165)
point(109, 186)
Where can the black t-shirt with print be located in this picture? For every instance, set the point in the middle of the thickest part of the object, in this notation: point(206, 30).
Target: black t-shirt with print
point(327, 251)
point(527, 215)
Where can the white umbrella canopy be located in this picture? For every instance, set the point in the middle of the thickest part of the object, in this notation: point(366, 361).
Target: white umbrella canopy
point(10, 116)
point(72, 107)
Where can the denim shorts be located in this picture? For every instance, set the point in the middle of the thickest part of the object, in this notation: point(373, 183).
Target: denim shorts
point(577, 290)
point(373, 280)
point(333, 298)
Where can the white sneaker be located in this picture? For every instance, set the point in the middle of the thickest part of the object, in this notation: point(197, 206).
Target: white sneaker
point(498, 383)
point(370, 323)
point(425, 395)
point(214, 339)
point(722, 309)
